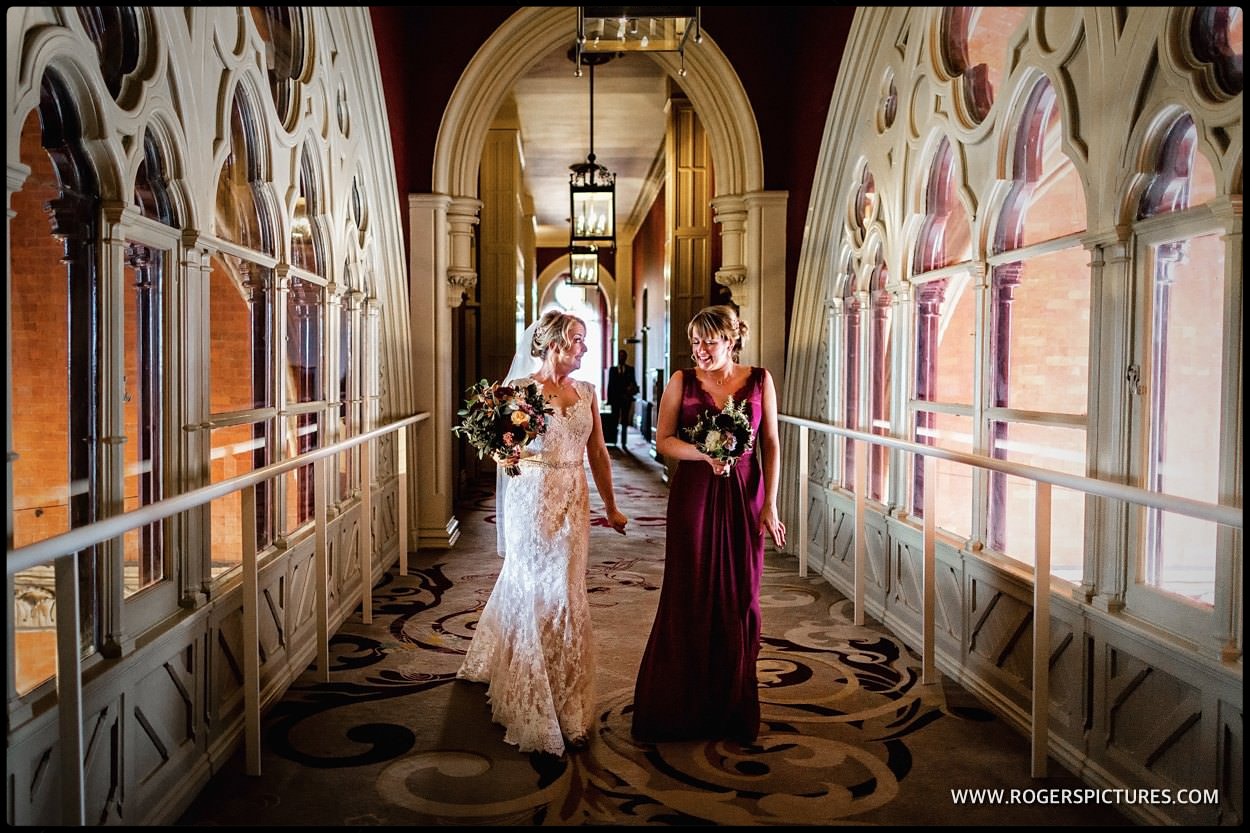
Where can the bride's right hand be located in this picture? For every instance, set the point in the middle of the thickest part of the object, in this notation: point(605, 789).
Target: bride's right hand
point(509, 460)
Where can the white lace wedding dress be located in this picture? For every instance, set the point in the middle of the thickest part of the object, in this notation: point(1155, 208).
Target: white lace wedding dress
point(533, 643)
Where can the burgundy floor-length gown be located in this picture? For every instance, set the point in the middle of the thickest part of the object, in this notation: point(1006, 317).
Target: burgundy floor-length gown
point(697, 678)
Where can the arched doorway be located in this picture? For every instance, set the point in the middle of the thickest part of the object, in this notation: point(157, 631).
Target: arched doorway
point(592, 304)
point(752, 221)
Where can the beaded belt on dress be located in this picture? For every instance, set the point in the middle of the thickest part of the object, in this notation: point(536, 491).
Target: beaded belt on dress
point(553, 464)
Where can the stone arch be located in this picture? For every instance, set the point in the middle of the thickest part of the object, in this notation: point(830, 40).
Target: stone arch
point(167, 136)
point(556, 271)
point(535, 31)
point(57, 50)
point(752, 220)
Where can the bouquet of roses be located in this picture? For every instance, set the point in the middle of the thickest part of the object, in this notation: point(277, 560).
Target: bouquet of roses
point(724, 435)
point(499, 419)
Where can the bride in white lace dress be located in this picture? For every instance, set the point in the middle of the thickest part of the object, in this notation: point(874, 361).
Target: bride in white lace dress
point(533, 643)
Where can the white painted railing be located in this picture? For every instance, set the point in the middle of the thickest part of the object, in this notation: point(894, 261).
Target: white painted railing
point(63, 551)
point(1044, 479)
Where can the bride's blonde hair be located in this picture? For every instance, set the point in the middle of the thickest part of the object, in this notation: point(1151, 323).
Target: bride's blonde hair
point(720, 321)
point(554, 328)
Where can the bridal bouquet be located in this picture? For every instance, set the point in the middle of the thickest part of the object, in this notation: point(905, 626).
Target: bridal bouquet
point(725, 435)
point(499, 419)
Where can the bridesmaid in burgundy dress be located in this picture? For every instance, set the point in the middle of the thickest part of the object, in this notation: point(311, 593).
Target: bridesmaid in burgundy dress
point(697, 679)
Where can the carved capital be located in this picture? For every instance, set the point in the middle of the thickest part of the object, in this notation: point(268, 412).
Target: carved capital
point(197, 248)
point(735, 280)
point(1115, 245)
point(730, 212)
point(282, 278)
point(17, 177)
point(459, 284)
point(34, 598)
point(116, 212)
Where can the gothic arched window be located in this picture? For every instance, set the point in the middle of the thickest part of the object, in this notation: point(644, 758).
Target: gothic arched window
point(282, 29)
point(975, 42)
point(880, 318)
point(862, 210)
point(1181, 366)
point(115, 32)
point(945, 345)
point(152, 194)
point(1182, 177)
point(849, 392)
point(241, 327)
point(1036, 409)
point(55, 334)
point(1216, 38)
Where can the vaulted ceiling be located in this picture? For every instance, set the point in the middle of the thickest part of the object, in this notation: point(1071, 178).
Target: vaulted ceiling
point(553, 115)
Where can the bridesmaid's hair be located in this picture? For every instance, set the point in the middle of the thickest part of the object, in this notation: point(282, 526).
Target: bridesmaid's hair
point(554, 328)
point(720, 321)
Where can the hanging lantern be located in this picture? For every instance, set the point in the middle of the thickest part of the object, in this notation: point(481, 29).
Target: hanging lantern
point(592, 190)
point(583, 266)
point(618, 29)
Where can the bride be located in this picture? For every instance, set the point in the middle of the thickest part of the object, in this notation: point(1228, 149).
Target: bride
point(533, 643)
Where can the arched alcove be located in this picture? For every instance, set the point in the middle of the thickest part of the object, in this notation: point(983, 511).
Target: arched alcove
point(534, 32)
point(600, 327)
point(752, 222)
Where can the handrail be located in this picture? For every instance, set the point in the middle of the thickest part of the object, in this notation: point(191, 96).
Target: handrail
point(63, 549)
point(1044, 479)
point(1217, 512)
point(106, 529)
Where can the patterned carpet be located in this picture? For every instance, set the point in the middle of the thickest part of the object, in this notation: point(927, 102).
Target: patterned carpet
point(850, 736)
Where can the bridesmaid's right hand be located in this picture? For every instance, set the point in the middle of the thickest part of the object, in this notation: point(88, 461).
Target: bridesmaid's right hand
point(719, 467)
point(617, 520)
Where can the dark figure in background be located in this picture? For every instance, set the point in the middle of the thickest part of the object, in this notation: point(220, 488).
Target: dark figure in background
point(622, 387)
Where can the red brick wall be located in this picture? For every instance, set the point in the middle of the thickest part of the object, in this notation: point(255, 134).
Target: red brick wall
point(230, 379)
point(231, 457)
point(38, 349)
point(39, 344)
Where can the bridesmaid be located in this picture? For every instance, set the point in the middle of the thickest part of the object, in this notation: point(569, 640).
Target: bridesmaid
point(697, 678)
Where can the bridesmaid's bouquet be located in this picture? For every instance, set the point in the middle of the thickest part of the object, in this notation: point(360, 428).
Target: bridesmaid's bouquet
point(499, 419)
point(724, 435)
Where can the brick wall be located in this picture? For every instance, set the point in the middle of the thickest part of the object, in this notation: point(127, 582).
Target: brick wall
point(39, 344)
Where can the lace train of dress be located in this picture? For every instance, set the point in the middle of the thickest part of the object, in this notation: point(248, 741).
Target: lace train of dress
point(533, 643)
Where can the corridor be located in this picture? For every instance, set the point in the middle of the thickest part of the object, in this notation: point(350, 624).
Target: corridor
point(849, 735)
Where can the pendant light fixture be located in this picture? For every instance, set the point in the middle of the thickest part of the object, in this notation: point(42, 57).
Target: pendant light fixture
point(583, 266)
point(638, 29)
point(592, 188)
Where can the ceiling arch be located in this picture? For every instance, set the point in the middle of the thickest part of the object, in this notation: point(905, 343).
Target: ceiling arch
point(534, 32)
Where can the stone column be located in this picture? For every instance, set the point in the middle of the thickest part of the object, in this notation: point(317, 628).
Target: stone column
point(114, 642)
point(17, 175)
point(1230, 573)
point(192, 469)
point(441, 270)
point(753, 268)
point(731, 212)
point(766, 270)
point(1109, 412)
